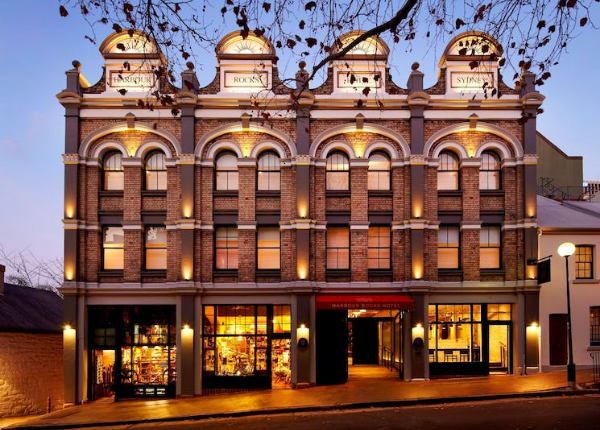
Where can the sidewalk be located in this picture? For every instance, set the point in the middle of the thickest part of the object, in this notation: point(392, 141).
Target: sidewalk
point(356, 393)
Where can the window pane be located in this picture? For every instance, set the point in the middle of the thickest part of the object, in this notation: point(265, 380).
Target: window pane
point(379, 161)
point(584, 262)
point(448, 258)
point(489, 258)
point(337, 181)
point(156, 259)
point(113, 180)
point(156, 236)
point(595, 326)
point(113, 237)
point(447, 181)
point(337, 237)
point(227, 161)
point(114, 259)
point(268, 259)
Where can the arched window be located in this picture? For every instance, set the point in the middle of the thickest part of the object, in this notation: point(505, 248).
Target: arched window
point(114, 177)
point(379, 171)
point(156, 172)
point(226, 172)
point(337, 171)
point(489, 174)
point(269, 172)
point(448, 171)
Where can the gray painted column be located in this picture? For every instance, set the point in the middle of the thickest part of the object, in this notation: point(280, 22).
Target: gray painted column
point(73, 338)
point(417, 102)
point(185, 375)
point(302, 313)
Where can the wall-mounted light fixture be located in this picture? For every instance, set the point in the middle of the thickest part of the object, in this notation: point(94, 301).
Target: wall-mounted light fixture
point(302, 336)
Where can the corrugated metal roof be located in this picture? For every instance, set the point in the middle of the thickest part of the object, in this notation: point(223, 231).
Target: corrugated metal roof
point(555, 214)
point(24, 309)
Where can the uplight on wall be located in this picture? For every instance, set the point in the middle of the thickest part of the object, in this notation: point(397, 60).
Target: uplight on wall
point(302, 209)
point(417, 268)
point(69, 272)
point(186, 272)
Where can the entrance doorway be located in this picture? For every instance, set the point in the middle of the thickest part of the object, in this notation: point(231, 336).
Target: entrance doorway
point(498, 350)
point(558, 339)
point(103, 362)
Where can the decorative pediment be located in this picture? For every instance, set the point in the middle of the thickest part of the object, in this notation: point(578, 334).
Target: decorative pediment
point(241, 46)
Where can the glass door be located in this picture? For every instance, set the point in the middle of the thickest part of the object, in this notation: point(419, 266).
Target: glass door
point(499, 348)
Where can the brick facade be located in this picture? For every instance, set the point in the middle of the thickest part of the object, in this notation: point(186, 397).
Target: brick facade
point(411, 204)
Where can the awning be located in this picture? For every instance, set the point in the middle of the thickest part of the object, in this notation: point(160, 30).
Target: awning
point(358, 301)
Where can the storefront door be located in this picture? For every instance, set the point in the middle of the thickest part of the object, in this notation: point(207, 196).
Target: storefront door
point(558, 339)
point(103, 362)
point(499, 348)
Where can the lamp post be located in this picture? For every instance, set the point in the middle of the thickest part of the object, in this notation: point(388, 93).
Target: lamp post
point(567, 249)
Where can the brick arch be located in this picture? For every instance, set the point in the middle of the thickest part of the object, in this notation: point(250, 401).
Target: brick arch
point(338, 145)
point(505, 135)
point(223, 145)
point(386, 147)
point(268, 145)
point(147, 147)
point(366, 128)
point(494, 145)
point(88, 143)
point(451, 145)
point(102, 148)
point(205, 142)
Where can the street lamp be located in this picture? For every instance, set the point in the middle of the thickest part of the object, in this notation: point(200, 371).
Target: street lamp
point(567, 249)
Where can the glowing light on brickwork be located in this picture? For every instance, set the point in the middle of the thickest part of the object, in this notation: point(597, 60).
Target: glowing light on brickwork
point(417, 209)
point(69, 210)
point(246, 149)
point(417, 269)
point(302, 268)
point(302, 209)
point(531, 272)
point(186, 272)
point(69, 272)
point(187, 210)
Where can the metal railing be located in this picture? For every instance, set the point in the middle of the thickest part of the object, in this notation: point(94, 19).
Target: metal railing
point(595, 365)
point(387, 357)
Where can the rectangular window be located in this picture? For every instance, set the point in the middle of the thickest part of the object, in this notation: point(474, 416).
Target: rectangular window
point(235, 340)
point(113, 255)
point(338, 248)
point(226, 248)
point(455, 333)
point(595, 326)
point(268, 246)
point(584, 262)
point(156, 248)
point(489, 248)
point(379, 247)
point(448, 248)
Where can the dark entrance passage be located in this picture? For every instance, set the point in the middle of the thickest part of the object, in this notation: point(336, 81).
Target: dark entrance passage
point(332, 347)
point(365, 341)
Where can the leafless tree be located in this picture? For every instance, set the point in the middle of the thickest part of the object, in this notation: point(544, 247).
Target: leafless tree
point(27, 270)
point(534, 33)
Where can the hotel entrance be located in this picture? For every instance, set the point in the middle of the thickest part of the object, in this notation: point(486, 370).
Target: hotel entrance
point(365, 333)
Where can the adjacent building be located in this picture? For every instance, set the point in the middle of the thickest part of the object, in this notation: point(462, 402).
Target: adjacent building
point(578, 223)
point(269, 234)
point(30, 350)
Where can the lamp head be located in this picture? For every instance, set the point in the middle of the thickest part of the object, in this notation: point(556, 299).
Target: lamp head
point(566, 249)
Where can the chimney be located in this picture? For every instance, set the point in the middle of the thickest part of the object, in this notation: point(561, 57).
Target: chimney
point(2, 269)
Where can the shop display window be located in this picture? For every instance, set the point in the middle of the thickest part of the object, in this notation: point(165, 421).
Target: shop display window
point(455, 333)
point(238, 340)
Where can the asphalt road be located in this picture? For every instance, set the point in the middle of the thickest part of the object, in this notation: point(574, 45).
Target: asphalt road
point(554, 413)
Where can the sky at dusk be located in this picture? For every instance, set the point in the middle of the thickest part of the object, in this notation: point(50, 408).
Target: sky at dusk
point(37, 46)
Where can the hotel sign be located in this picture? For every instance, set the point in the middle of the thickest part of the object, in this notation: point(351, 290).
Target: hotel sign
point(471, 81)
point(359, 80)
point(131, 80)
point(246, 79)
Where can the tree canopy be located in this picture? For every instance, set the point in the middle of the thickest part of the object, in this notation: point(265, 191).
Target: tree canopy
point(534, 34)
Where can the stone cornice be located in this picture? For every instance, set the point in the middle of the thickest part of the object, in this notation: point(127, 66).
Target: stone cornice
point(70, 158)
